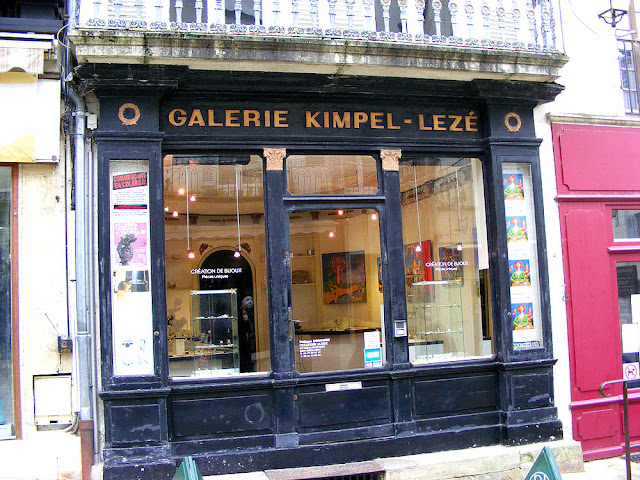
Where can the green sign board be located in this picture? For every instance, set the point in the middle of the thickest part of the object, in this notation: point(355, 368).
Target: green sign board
point(188, 470)
point(545, 467)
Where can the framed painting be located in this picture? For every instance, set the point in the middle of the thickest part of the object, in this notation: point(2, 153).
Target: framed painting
point(344, 278)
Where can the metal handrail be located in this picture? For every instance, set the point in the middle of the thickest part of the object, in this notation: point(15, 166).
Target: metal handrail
point(625, 403)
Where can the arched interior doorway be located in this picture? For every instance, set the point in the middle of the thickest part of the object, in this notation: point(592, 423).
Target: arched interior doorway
point(238, 275)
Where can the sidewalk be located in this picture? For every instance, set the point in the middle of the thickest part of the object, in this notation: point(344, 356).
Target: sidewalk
point(55, 455)
point(606, 469)
point(46, 455)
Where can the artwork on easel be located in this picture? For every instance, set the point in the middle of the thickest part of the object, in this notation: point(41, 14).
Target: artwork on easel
point(344, 278)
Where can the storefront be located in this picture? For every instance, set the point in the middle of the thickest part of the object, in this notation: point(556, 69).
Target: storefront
point(302, 270)
point(598, 180)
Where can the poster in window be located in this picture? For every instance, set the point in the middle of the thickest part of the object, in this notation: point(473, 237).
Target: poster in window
point(517, 229)
point(344, 277)
point(513, 186)
point(417, 262)
point(131, 319)
point(519, 273)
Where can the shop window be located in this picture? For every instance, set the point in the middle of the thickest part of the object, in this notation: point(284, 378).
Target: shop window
point(6, 361)
point(626, 225)
point(131, 318)
point(337, 289)
point(215, 265)
point(628, 278)
point(446, 258)
point(522, 250)
point(332, 175)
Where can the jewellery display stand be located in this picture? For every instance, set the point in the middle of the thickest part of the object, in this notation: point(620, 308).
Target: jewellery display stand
point(436, 320)
point(214, 324)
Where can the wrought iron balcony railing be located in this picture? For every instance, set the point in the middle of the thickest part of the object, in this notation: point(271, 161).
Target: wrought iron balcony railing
point(512, 25)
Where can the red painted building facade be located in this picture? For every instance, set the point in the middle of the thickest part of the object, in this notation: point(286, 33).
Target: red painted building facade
point(598, 182)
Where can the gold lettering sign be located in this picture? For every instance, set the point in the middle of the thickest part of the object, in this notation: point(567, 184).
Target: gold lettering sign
point(230, 118)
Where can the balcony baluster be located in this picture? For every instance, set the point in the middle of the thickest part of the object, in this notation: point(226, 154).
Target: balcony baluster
point(515, 13)
point(456, 38)
point(437, 19)
point(96, 21)
point(469, 10)
point(159, 23)
point(531, 16)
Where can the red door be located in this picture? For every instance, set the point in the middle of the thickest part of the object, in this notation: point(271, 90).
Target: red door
point(598, 181)
point(603, 307)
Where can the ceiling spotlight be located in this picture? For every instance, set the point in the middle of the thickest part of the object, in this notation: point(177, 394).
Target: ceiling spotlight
point(374, 216)
point(459, 247)
point(181, 191)
point(192, 198)
point(418, 248)
point(236, 254)
point(331, 234)
point(166, 209)
point(191, 254)
point(340, 212)
point(175, 213)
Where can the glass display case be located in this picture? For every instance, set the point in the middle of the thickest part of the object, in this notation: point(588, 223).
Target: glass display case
point(436, 320)
point(214, 326)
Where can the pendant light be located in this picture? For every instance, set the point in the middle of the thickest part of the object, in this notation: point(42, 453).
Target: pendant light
point(415, 191)
point(237, 252)
point(190, 253)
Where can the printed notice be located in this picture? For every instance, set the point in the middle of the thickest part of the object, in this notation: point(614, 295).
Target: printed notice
point(312, 348)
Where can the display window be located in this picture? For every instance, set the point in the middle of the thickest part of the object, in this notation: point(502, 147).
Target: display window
point(445, 258)
point(216, 290)
point(337, 297)
point(332, 175)
point(522, 250)
point(6, 358)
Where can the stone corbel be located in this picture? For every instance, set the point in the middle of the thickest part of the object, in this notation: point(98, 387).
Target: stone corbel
point(275, 158)
point(390, 160)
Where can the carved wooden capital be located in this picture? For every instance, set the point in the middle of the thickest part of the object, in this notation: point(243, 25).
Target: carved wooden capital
point(275, 157)
point(391, 160)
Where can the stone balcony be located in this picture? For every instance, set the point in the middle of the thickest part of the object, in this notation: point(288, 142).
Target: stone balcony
point(464, 40)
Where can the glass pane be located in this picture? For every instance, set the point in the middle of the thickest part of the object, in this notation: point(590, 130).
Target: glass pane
point(446, 259)
point(337, 290)
point(6, 365)
point(626, 224)
point(523, 256)
point(628, 276)
point(332, 175)
point(215, 265)
point(132, 326)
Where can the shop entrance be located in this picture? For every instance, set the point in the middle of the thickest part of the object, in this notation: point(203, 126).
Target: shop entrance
point(238, 276)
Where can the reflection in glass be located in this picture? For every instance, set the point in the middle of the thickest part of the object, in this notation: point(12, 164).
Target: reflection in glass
point(337, 290)
point(628, 276)
point(6, 370)
point(227, 204)
point(332, 175)
point(446, 258)
point(626, 224)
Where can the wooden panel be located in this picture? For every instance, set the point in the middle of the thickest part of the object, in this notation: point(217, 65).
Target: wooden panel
point(590, 156)
point(134, 424)
point(344, 407)
point(598, 424)
point(205, 416)
point(453, 395)
point(593, 325)
point(532, 390)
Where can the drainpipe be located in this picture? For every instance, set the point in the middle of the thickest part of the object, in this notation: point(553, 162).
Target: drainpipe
point(84, 341)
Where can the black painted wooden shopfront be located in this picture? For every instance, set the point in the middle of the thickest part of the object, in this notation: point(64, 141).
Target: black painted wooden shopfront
point(284, 418)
